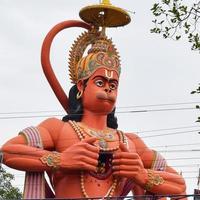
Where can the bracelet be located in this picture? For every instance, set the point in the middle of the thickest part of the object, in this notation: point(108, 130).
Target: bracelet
point(153, 180)
point(52, 160)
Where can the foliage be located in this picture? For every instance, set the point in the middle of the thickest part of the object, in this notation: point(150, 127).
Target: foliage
point(174, 18)
point(7, 191)
point(197, 91)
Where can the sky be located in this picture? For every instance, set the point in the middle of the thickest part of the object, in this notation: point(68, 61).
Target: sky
point(154, 94)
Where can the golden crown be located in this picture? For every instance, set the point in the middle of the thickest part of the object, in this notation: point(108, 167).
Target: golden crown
point(102, 53)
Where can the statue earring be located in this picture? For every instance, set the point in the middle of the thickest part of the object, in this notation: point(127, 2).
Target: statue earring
point(79, 94)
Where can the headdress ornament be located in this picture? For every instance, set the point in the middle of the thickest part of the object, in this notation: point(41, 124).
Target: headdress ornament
point(102, 52)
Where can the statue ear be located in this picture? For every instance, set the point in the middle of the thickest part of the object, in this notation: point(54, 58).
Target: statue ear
point(80, 85)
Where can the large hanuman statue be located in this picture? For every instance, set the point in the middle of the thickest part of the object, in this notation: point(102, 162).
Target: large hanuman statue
point(84, 154)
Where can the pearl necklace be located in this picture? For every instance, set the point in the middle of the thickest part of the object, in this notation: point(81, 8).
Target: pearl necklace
point(109, 193)
point(81, 136)
point(104, 136)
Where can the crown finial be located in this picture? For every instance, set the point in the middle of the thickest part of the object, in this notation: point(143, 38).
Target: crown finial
point(104, 15)
point(106, 2)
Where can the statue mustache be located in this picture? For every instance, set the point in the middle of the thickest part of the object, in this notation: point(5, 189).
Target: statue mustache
point(105, 96)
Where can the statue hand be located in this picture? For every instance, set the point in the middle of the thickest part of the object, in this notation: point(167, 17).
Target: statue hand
point(81, 156)
point(128, 164)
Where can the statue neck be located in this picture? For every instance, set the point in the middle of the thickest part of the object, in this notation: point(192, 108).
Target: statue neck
point(94, 120)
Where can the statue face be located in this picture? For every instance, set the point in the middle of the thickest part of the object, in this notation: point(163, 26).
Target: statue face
point(100, 93)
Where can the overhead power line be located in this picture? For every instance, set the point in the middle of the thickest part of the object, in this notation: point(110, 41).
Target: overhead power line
point(179, 150)
point(167, 147)
point(117, 112)
point(118, 107)
point(167, 129)
point(161, 104)
point(188, 177)
point(156, 110)
point(41, 150)
point(175, 166)
point(30, 112)
point(74, 139)
point(174, 133)
point(183, 172)
point(31, 116)
point(176, 145)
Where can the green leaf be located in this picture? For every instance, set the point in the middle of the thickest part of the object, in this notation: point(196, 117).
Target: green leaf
point(166, 2)
point(178, 37)
point(154, 21)
point(164, 35)
point(161, 22)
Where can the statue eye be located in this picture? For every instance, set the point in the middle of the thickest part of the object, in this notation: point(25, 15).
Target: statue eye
point(99, 83)
point(113, 86)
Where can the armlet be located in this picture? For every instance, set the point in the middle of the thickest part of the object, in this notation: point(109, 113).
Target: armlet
point(159, 163)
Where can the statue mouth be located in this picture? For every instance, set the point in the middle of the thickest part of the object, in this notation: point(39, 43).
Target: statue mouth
point(106, 97)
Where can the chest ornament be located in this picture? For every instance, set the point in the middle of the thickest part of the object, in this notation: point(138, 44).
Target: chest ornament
point(104, 167)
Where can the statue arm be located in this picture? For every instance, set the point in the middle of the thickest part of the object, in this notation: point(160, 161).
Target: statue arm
point(19, 155)
point(170, 181)
point(22, 156)
point(137, 166)
point(81, 155)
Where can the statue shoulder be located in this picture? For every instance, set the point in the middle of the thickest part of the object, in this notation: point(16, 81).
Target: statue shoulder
point(138, 142)
point(51, 127)
point(132, 136)
point(52, 124)
point(146, 154)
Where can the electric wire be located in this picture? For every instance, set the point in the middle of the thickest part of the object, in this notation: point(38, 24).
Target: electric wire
point(161, 104)
point(186, 178)
point(176, 145)
point(117, 112)
point(167, 147)
point(186, 166)
point(166, 129)
point(36, 150)
point(136, 197)
point(118, 107)
point(155, 130)
point(183, 172)
point(168, 134)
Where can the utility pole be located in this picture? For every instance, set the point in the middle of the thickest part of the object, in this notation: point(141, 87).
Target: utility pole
point(197, 191)
point(196, 194)
point(1, 158)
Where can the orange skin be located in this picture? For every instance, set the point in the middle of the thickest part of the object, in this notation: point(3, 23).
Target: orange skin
point(99, 98)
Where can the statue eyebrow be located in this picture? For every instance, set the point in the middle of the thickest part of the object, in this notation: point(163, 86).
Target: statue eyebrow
point(99, 77)
point(109, 80)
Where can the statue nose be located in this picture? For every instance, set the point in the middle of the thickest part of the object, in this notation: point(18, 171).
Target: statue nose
point(107, 90)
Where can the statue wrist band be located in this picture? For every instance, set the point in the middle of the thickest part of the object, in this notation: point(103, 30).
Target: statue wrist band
point(51, 159)
point(153, 180)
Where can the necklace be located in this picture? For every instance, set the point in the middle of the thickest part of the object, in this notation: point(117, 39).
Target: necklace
point(109, 194)
point(104, 136)
point(81, 136)
point(79, 131)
